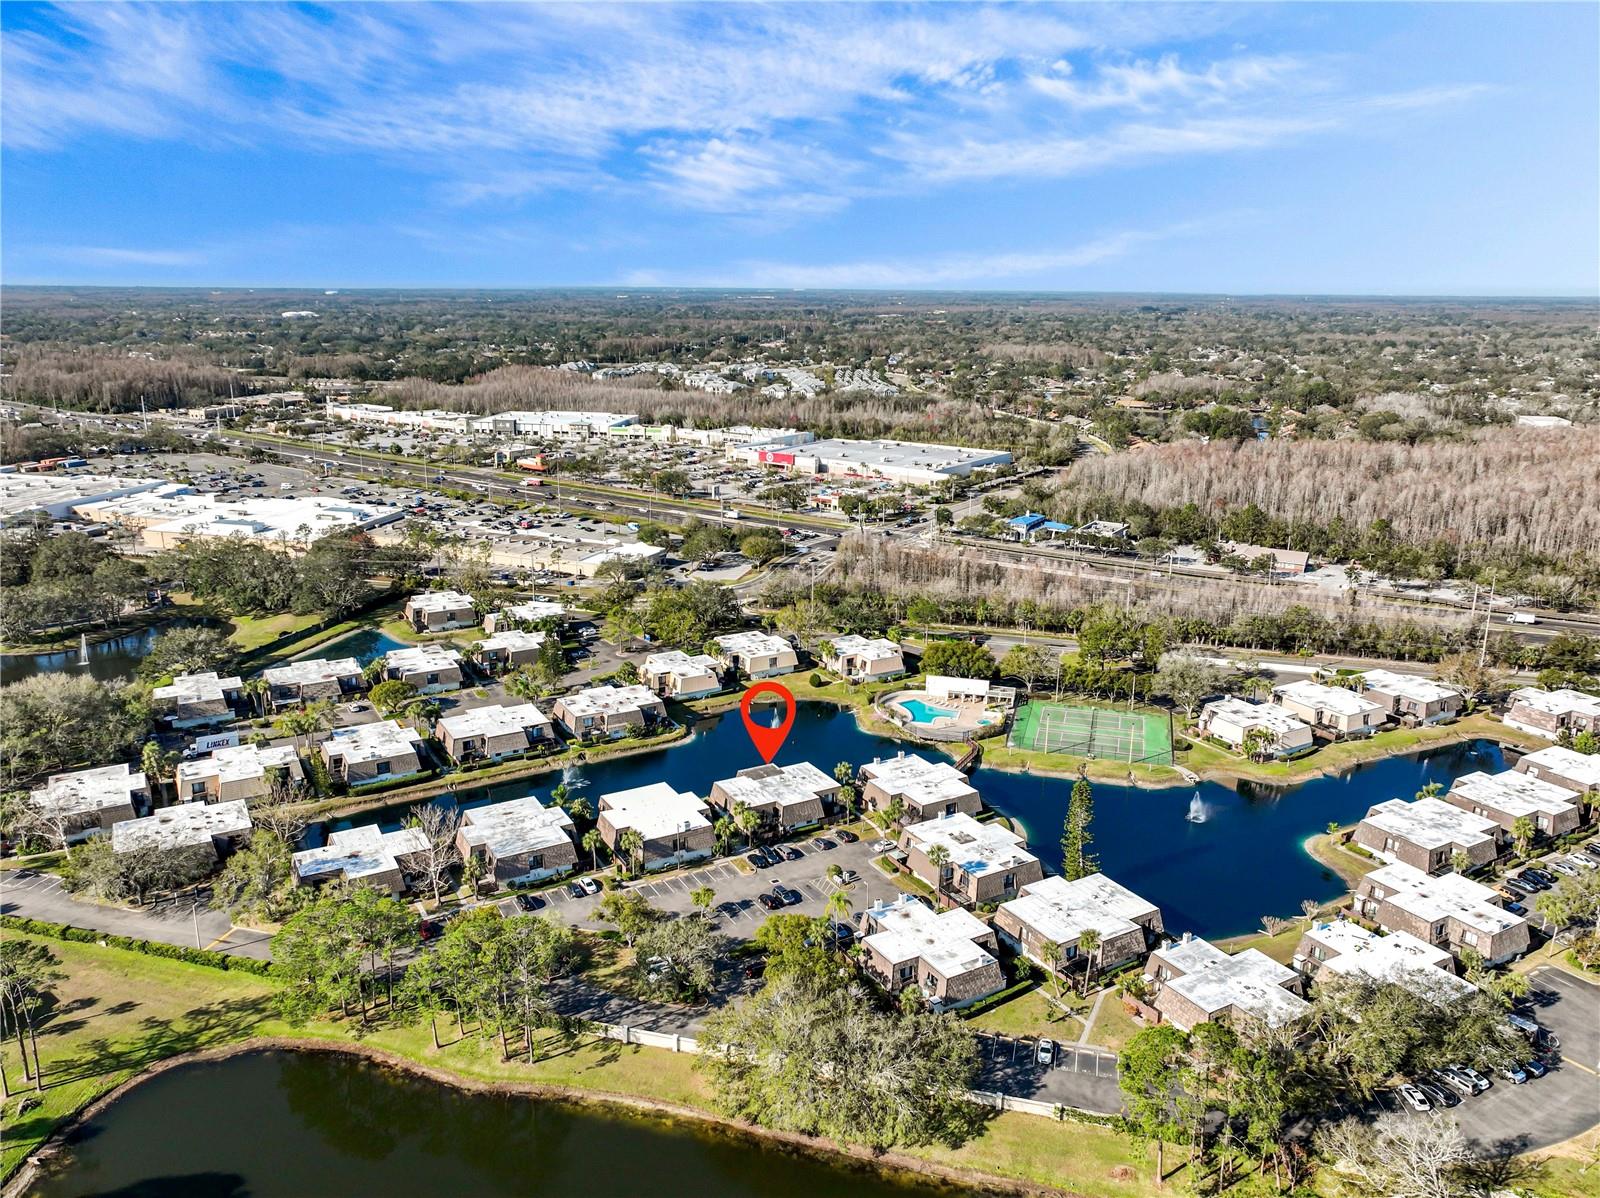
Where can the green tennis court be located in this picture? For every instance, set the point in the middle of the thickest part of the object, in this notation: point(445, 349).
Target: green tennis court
point(1092, 732)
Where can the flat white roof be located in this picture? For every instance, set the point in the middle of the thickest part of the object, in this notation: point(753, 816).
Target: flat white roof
point(899, 454)
point(867, 648)
point(183, 826)
point(944, 687)
point(1444, 897)
point(1329, 698)
point(1245, 715)
point(497, 719)
point(785, 785)
point(1250, 981)
point(414, 659)
point(85, 791)
point(655, 811)
point(1430, 823)
point(1061, 911)
point(753, 644)
point(536, 609)
point(373, 742)
point(1561, 702)
point(561, 418)
point(197, 688)
point(610, 700)
point(1515, 794)
point(519, 826)
point(218, 516)
point(919, 781)
point(239, 763)
point(946, 941)
point(440, 601)
point(512, 640)
point(975, 849)
point(680, 664)
point(1569, 763)
point(359, 852)
point(58, 492)
point(1399, 958)
point(1408, 686)
point(313, 670)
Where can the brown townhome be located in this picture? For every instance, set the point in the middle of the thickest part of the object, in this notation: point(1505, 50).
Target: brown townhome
point(983, 863)
point(927, 789)
point(1047, 918)
point(518, 841)
point(1193, 981)
point(1411, 700)
point(952, 957)
point(1427, 834)
point(1509, 796)
point(440, 611)
point(1450, 911)
point(494, 732)
point(786, 797)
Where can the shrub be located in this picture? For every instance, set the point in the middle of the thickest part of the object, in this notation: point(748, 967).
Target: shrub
point(817, 680)
point(152, 948)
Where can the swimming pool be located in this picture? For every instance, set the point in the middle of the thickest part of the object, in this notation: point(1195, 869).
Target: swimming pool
point(924, 713)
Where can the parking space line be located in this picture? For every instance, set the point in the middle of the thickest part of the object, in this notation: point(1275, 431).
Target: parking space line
point(1580, 1065)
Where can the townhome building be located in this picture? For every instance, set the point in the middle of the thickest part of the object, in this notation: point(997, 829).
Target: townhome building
point(1193, 981)
point(1231, 720)
point(208, 830)
point(674, 825)
point(1338, 712)
point(440, 611)
point(1410, 700)
point(757, 655)
point(364, 856)
point(786, 797)
point(195, 700)
point(493, 732)
point(376, 752)
point(1565, 767)
point(1427, 834)
point(1550, 713)
point(679, 675)
point(238, 772)
point(518, 841)
point(312, 680)
point(1509, 796)
point(863, 659)
point(429, 668)
point(1343, 948)
point(1046, 919)
point(609, 712)
point(951, 957)
point(982, 863)
point(522, 615)
point(508, 649)
point(926, 789)
point(1449, 911)
point(80, 803)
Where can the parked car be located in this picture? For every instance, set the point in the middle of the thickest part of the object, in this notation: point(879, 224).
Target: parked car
point(1514, 1073)
point(770, 901)
point(1562, 868)
point(575, 890)
point(590, 886)
point(1535, 1067)
point(1531, 879)
point(1413, 1098)
point(1516, 908)
point(1593, 850)
point(1472, 1077)
point(1460, 1085)
point(1583, 861)
point(886, 846)
point(1518, 889)
point(823, 843)
point(843, 935)
point(1440, 1096)
point(1045, 1054)
point(787, 895)
point(529, 902)
point(787, 852)
point(758, 859)
point(845, 836)
point(1538, 875)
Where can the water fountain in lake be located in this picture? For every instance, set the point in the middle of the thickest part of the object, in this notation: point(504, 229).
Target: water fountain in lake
point(1198, 811)
point(572, 778)
point(83, 648)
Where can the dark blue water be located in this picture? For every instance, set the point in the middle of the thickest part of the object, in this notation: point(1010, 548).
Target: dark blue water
point(115, 657)
point(365, 646)
point(1216, 878)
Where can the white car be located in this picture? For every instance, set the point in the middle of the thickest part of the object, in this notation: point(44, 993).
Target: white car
point(1585, 862)
point(886, 846)
point(1045, 1054)
point(590, 886)
point(1414, 1098)
point(1562, 867)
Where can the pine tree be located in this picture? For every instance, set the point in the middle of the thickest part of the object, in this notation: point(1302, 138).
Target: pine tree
point(1077, 860)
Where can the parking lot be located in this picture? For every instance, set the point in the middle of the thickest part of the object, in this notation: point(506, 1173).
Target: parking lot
point(737, 885)
point(1076, 1075)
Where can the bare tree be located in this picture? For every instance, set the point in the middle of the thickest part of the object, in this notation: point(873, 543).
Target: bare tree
point(1399, 1157)
point(438, 855)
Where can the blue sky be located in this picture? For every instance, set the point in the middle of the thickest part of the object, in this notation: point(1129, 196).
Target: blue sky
point(1299, 148)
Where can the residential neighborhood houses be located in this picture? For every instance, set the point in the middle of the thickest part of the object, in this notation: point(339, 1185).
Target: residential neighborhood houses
point(1343, 947)
point(494, 732)
point(194, 700)
point(607, 712)
point(924, 789)
point(376, 752)
point(968, 861)
point(1232, 720)
point(757, 655)
point(310, 680)
point(1048, 918)
point(1551, 714)
point(1428, 834)
point(673, 826)
point(786, 797)
point(518, 841)
point(1332, 710)
point(679, 675)
point(440, 611)
point(1449, 910)
point(1577, 772)
point(1510, 796)
point(863, 659)
point(365, 855)
point(1412, 700)
point(430, 668)
point(1193, 981)
point(952, 956)
point(84, 802)
point(238, 772)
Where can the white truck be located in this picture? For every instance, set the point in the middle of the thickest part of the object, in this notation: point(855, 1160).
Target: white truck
point(1522, 617)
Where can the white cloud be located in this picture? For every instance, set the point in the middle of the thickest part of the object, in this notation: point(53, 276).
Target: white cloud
point(104, 255)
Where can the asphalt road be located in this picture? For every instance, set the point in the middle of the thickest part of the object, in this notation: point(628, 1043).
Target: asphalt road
point(184, 921)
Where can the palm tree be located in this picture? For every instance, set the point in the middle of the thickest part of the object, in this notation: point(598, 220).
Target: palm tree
point(939, 858)
point(848, 800)
point(630, 848)
point(747, 819)
point(257, 689)
point(372, 673)
point(1257, 741)
point(838, 908)
point(593, 842)
point(1089, 949)
point(843, 773)
point(1431, 791)
point(523, 684)
point(724, 830)
point(423, 713)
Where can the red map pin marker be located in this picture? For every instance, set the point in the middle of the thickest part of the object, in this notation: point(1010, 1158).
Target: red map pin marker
point(768, 740)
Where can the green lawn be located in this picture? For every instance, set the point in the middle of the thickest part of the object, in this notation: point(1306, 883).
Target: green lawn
point(1113, 1027)
point(255, 632)
point(1033, 1013)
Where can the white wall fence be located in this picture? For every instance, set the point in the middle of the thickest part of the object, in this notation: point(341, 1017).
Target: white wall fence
point(676, 1043)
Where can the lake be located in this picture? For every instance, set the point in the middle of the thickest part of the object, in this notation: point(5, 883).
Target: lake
point(288, 1125)
point(1214, 878)
point(116, 657)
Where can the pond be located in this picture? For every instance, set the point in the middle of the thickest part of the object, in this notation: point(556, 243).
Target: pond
point(115, 657)
point(365, 646)
point(292, 1125)
point(1240, 858)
